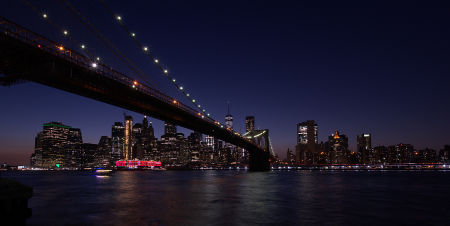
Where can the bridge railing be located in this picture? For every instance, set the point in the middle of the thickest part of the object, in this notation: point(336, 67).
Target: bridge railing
point(18, 32)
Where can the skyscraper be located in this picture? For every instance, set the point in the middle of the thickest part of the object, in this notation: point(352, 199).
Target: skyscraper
point(210, 141)
point(74, 153)
point(249, 123)
point(128, 137)
point(170, 129)
point(52, 143)
point(307, 142)
point(364, 147)
point(339, 148)
point(117, 141)
point(307, 132)
point(145, 123)
point(228, 118)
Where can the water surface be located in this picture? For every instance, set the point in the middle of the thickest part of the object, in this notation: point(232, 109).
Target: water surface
point(238, 197)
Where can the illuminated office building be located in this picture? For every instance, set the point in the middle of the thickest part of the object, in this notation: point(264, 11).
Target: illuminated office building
point(128, 138)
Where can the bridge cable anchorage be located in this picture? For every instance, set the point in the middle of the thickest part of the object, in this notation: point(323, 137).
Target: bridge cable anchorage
point(108, 44)
point(154, 60)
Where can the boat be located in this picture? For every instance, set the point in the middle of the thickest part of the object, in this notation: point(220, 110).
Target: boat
point(103, 172)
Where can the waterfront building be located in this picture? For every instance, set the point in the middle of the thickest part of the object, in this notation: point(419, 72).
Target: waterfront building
point(89, 155)
point(426, 155)
point(307, 143)
point(103, 157)
point(50, 145)
point(73, 150)
point(339, 153)
point(444, 154)
point(382, 154)
point(290, 157)
point(364, 148)
point(117, 141)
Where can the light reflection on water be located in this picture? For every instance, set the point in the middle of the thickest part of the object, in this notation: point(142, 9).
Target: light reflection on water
point(237, 197)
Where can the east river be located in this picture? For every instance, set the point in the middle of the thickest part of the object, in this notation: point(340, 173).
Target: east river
point(233, 197)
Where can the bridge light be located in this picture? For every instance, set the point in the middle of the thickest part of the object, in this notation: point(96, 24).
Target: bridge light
point(187, 94)
point(65, 32)
point(94, 65)
point(83, 46)
point(133, 34)
point(173, 80)
point(181, 87)
point(166, 71)
point(198, 105)
point(204, 110)
point(174, 101)
point(98, 58)
point(61, 48)
point(156, 60)
point(193, 101)
point(207, 114)
point(199, 114)
point(135, 83)
point(119, 18)
point(145, 48)
point(133, 86)
point(44, 15)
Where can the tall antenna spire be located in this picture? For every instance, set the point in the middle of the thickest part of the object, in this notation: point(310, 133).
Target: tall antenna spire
point(228, 107)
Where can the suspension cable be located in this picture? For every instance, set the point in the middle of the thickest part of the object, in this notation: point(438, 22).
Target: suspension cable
point(154, 59)
point(107, 43)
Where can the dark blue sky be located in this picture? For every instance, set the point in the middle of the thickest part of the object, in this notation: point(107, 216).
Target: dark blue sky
point(374, 67)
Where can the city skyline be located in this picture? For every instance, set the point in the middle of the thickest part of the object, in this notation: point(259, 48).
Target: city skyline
point(393, 111)
point(132, 140)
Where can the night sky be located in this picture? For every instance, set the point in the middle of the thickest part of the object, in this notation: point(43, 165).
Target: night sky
point(357, 67)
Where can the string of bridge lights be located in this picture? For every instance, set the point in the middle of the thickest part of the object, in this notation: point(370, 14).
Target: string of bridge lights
point(96, 59)
point(108, 44)
point(157, 62)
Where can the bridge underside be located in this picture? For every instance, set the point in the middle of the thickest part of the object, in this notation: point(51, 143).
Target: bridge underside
point(20, 61)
